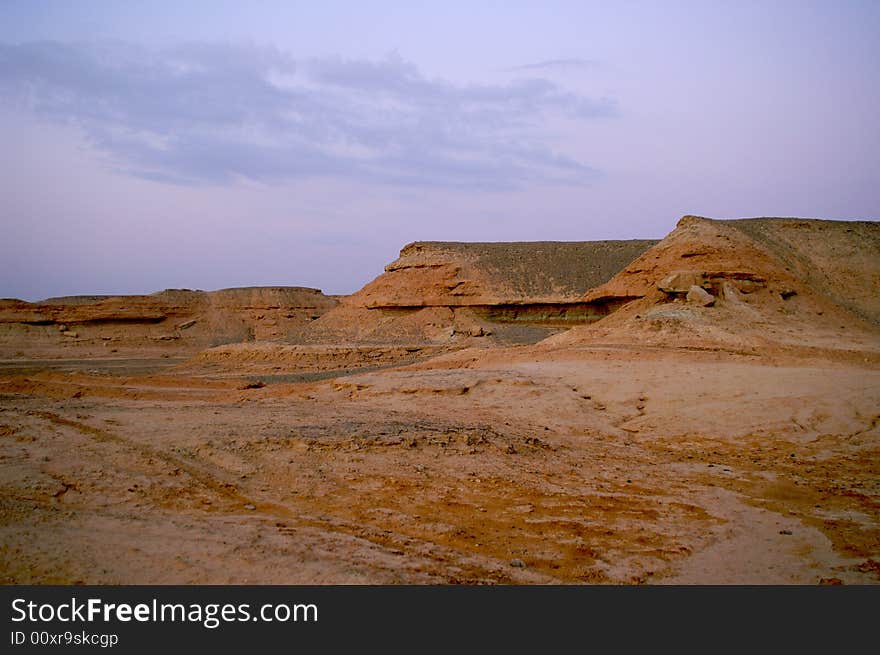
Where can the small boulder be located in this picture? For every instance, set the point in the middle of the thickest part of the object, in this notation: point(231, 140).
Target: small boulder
point(730, 292)
point(681, 281)
point(699, 296)
point(70, 333)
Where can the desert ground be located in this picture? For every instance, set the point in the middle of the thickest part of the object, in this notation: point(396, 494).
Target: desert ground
point(703, 409)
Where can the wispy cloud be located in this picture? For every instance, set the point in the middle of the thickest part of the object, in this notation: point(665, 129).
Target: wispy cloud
point(556, 65)
point(210, 113)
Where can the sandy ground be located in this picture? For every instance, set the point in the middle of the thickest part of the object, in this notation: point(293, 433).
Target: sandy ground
point(577, 465)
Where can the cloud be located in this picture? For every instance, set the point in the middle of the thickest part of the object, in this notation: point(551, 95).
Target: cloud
point(212, 113)
point(556, 64)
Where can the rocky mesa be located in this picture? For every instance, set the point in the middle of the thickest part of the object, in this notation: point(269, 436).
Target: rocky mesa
point(174, 320)
point(513, 292)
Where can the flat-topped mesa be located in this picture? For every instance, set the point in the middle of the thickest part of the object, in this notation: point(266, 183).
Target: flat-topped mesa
point(449, 274)
point(156, 307)
point(444, 292)
point(174, 317)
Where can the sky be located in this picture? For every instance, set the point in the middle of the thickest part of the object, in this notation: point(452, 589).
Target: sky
point(204, 145)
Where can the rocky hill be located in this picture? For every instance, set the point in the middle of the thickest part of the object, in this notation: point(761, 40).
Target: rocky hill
point(747, 284)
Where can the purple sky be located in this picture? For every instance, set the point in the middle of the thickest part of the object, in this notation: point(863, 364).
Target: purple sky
point(216, 144)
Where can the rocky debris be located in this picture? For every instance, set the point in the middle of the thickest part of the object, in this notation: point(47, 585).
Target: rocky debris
point(699, 296)
point(729, 292)
point(517, 563)
point(681, 282)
